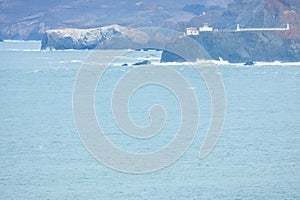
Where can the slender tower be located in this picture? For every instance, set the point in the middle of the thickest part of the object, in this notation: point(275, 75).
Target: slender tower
point(238, 27)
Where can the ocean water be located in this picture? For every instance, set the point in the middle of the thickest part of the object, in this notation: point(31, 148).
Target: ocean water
point(42, 156)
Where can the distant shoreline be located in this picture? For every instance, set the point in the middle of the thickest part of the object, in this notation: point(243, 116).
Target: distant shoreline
point(218, 62)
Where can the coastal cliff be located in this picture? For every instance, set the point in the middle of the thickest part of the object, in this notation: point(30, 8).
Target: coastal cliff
point(243, 46)
point(108, 37)
point(61, 39)
point(233, 46)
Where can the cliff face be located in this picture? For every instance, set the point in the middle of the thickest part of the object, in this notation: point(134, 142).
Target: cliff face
point(108, 37)
point(71, 39)
point(80, 38)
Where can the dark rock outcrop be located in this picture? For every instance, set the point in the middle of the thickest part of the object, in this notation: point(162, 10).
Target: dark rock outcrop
point(144, 62)
point(168, 56)
point(249, 62)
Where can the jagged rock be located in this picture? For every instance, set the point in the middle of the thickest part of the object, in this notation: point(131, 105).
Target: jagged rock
point(249, 62)
point(87, 38)
point(144, 62)
point(168, 56)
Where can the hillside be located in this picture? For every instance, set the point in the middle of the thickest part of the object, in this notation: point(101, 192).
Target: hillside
point(257, 46)
point(30, 19)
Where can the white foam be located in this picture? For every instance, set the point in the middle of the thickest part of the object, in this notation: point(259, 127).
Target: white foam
point(277, 63)
point(191, 88)
point(62, 50)
point(171, 63)
point(76, 61)
point(71, 61)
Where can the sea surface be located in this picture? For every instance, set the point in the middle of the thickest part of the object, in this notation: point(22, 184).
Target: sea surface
point(42, 156)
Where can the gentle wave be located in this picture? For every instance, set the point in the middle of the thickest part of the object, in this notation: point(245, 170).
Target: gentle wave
point(225, 63)
point(171, 63)
point(62, 50)
point(277, 63)
point(29, 50)
point(71, 61)
point(13, 41)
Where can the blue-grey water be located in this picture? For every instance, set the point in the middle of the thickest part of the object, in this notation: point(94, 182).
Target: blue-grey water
point(42, 157)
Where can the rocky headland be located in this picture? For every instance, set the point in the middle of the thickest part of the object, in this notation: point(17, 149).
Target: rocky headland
point(107, 37)
point(232, 46)
point(237, 47)
point(61, 39)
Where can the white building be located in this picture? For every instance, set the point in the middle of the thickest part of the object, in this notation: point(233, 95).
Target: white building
point(192, 31)
point(205, 27)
